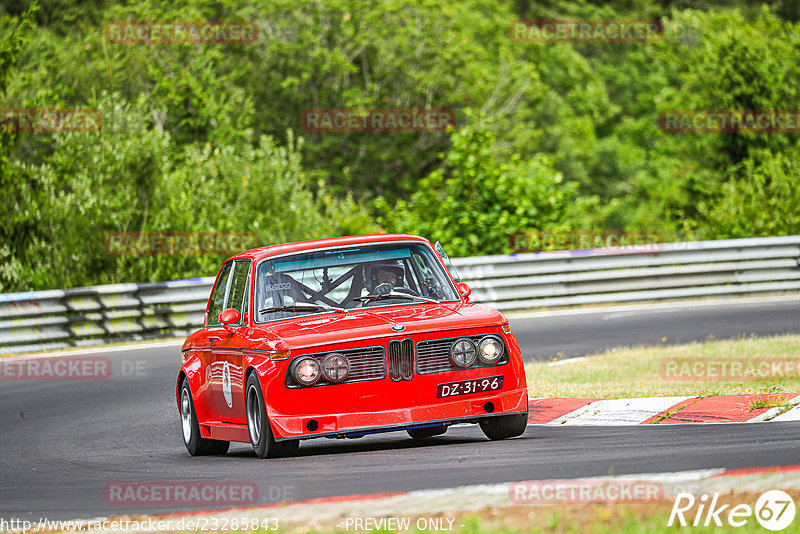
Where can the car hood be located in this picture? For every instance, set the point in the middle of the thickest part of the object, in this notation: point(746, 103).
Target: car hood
point(372, 323)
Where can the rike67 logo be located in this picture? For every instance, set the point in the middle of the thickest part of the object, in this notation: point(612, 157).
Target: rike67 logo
point(774, 510)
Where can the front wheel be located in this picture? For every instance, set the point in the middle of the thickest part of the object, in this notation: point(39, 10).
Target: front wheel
point(196, 445)
point(504, 426)
point(261, 437)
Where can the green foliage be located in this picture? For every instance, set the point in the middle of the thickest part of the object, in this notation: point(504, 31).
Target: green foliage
point(725, 62)
point(15, 224)
point(208, 137)
point(761, 198)
point(391, 54)
point(478, 198)
point(124, 179)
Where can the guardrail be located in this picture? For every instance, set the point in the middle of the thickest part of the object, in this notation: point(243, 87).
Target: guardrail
point(42, 320)
point(663, 271)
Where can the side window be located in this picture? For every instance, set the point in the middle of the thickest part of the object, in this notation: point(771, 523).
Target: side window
point(217, 302)
point(240, 285)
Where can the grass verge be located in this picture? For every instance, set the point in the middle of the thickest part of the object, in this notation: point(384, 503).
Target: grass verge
point(604, 518)
point(640, 371)
point(586, 518)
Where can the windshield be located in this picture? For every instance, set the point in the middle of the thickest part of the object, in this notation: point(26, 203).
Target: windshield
point(359, 276)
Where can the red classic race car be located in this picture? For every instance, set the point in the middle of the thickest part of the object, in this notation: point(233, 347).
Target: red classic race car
point(341, 338)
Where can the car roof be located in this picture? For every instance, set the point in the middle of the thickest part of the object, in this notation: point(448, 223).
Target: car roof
point(260, 253)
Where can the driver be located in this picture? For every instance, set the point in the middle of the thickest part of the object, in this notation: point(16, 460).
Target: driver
point(384, 277)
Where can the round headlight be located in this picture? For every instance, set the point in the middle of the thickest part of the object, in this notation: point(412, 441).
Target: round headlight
point(335, 368)
point(306, 371)
point(490, 350)
point(463, 353)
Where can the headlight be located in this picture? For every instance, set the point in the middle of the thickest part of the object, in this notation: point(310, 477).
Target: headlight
point(335, 368)
point(490, 349)
point(463, 353)
point(306, 371)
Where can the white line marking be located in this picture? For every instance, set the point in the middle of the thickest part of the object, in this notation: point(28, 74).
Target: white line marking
point(789, 415)
point(568, 360)
point(97, 350)
point(657, 307)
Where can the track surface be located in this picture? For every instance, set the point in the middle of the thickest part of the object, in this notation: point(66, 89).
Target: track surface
point(544, 336)
point(62, 441)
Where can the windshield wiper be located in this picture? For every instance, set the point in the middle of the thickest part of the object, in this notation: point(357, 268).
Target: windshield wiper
point(301, 307)
point(394, 295)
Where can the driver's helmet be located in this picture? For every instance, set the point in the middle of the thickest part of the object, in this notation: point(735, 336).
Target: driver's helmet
point(379, 273)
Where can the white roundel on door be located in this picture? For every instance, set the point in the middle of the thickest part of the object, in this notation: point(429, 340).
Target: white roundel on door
point(226, 384)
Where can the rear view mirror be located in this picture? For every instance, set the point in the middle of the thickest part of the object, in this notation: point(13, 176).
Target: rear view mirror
point(229, 316)
point(464, 290)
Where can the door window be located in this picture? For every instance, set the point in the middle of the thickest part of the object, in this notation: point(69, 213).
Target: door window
point(217, 302)
point(240, 285)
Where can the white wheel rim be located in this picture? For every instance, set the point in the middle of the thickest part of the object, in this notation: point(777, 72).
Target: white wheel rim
point(253, 415)
point(186, 415)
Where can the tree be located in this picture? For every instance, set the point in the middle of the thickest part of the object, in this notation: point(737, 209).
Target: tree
point(480, 198)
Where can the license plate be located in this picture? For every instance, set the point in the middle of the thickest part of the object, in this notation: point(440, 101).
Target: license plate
point(465, 387)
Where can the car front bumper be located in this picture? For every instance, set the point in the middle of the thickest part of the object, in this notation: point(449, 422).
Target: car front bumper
point(467, 408)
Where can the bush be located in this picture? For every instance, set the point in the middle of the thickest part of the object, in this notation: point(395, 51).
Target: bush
point(122, 179)
point(479, 198)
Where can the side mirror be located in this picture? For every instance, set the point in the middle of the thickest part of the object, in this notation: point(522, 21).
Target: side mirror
point(464, 290)
point(229, 316)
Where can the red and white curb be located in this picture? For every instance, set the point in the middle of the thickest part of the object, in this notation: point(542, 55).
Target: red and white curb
point(665, 410)
point(439, 509)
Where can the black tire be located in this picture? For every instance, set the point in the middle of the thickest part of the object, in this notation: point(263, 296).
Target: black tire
point(287, 447)
point(504, 426)
point(195, 444)
point(258, 427)
point(424, 433)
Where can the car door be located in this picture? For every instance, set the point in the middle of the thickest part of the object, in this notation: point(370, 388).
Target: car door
point(227, 359)
point(212, 334)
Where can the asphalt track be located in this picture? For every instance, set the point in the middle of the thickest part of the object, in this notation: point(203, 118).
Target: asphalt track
point(62, 442)
point(544, 336)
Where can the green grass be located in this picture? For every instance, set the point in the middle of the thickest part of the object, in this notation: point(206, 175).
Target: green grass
point(667, 415)
point(637, 372)
point(780, 402)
